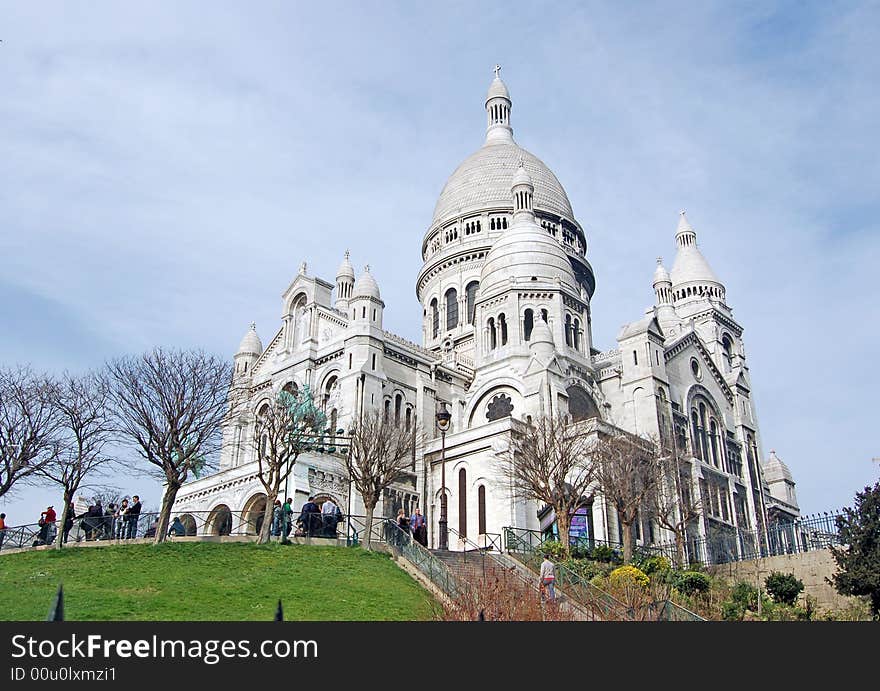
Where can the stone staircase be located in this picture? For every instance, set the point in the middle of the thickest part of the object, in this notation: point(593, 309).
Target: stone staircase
point(477, 570)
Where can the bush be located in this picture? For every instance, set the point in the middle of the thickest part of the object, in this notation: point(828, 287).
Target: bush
point(745, 595)
point(587, 569)
point(552, 549)
point(784, 588)
point(732, 611)
point(691, 582)
point(655, 565)
point(624, 576)
point(606, 554)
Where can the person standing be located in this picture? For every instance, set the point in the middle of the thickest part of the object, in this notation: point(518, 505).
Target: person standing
point(548, 579)
point(286, 517)
point(121, 520)
point(51, 530)
point(403, 524)
point(328, 517)
point(134, 512)
point(68, 522)
point(310, 517)
point(2, 529)
point(275, 528)
point(419, 527)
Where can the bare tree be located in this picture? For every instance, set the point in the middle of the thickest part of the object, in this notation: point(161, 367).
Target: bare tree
point(379, 454)
point(28, 425)
point(626, 473)
point(170, 405)
point(283, 430)
point(85, 430)
point(674, 504)
point(549, 461)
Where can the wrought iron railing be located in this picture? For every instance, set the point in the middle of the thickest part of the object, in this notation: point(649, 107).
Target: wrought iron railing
point(520, 543)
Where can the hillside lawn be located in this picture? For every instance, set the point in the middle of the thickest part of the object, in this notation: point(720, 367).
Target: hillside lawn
point(200, 581)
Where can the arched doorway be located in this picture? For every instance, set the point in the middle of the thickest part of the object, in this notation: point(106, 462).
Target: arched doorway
point(253, 514)
point(189, 523)
point(219, 521)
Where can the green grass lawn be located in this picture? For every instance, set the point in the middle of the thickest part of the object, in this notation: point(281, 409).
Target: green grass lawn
point(210, 581)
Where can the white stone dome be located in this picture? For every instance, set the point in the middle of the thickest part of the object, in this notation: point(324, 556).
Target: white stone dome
point(524, 252)
point(366, 286)
point(251, 344)
point(661, 275)
point(346, 270)
point(484, 179)
point(497, 89)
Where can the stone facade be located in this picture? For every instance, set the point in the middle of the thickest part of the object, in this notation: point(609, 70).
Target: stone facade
point(506, 290)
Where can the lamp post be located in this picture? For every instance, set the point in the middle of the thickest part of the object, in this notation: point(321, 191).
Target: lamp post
point(444, 417)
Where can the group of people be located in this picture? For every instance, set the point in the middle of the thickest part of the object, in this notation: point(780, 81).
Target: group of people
point(414, 525)
point(314, 520)
point(96, 523)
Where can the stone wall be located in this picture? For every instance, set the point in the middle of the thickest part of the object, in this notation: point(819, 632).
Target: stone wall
point(810, 567)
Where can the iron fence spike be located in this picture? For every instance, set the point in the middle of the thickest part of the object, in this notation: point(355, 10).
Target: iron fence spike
point(56, 613)
point(279, 612)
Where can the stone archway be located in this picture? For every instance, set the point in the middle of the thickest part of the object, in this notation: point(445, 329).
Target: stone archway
point(189, 524)
point(219, 521)
point(253, 514)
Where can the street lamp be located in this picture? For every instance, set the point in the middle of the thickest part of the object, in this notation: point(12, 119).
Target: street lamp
point(444, 417)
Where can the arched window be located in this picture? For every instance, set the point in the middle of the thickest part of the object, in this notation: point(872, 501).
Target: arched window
point(528, 324)
point(435, 319)
point(481, 510)
point(581, 405)
point(471, 295)
point(329, 385)
point(451, 309)
point(334, 420)
point(544, 316)
point(462, 502)
point(727, 347)
point(703, 441)
point(387, 409)
point(713, 440)
point(492, 335)
point(695, 435)
point(502, 324)
point(408, 418)
point(398, 404)
point(291, 388)
point(576, 334)
point(568, 330)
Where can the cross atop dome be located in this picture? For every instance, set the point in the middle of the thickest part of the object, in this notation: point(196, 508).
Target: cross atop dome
point(498, 111)
point(497, 70)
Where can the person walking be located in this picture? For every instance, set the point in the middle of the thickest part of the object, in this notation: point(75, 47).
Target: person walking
point(134, 513)
point(548, 579)
point(2, 529)
point(419, 527)
point(50, 529)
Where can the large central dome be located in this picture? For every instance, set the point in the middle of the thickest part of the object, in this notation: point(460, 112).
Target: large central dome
point(483, 181)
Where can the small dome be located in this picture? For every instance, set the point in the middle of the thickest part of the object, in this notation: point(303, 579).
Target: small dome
point(690, 266)
point(525, 253)
point(541, 333)
point(522, 177)
point(661, 275)
point(366, 286)
point(251, 344)
point(775, 469)
point(346, 270)
point(497, 89)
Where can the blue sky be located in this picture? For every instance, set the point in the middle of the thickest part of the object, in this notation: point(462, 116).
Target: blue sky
point(166, 167)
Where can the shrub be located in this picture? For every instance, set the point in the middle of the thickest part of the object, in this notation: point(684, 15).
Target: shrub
point(745, 595)
point(784, 588)
point(552, 549)
point(624, 576)
point(587, 569)
point(731, 611)
point(655, 565)
point(606, 554)
point(691, 582)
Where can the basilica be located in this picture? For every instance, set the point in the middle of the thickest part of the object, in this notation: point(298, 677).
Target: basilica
point(506, 290)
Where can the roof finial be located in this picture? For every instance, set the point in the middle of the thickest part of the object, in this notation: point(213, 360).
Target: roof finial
point(367, 268)
point(347, 254)
point(497, 70)
point(659, 261)
point(253, 326)
point(681, 213)
point(303, 267)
